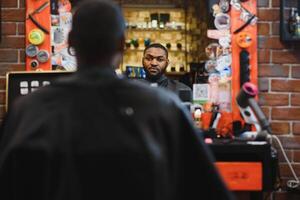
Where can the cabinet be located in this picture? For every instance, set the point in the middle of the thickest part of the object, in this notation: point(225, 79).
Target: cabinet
point(151, 24)
point(289, 20)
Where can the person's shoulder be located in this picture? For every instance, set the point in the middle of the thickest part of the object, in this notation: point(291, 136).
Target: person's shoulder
point(144, 90)
point(180, 85)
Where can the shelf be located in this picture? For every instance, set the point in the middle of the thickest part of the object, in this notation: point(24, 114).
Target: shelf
point(176, 73)
point(155, 29)
point(151, 6)
point(142, 50)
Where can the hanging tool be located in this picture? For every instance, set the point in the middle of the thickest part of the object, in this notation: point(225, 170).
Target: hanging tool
point(38, 10)
point(244, 67)
point(249, 21)
point(246, 15)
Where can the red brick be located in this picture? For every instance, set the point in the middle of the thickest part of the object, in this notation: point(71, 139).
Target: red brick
point(284, 85)
point(2, 97)
point(286, 57)
point(275, 3)
point(9, 28)
point(5, 67)
point(266, 111)
point(268, 99)
point(263, 3)
point(281, 158)
point(263, 84)
point(295, 99)
point(290, 142)
point(271, 43)
point(275, 28)
point(9, 3)
point(272, 70)
point(8, 55)
point(296, 156)
point(263, 56)
point(286, 113)
point(275, 43)
point(13, 42)
point(22, 3)
point(296, 128)
point(13, 15)
point(2, 83)
point(286, 172)
point(21, 29)
point(296, 71)
point(262, 42)
point(280, 128)
point(263, 28)
point(268, 14)
point(22, 56)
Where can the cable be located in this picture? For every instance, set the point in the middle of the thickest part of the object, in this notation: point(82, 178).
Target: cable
point(292, 184)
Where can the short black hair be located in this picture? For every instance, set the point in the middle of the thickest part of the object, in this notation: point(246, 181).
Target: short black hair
point(156, 45)
point(97, 29)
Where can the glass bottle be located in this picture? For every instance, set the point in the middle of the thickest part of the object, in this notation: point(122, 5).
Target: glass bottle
point(292, 21)
point(297, 27)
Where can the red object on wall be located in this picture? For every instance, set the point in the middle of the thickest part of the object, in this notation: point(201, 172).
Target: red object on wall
point(251, 29)
point(38, 18)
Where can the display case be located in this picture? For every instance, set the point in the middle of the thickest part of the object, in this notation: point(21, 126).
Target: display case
point(289, 20)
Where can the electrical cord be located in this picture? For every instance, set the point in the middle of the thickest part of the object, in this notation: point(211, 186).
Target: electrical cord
point(291, 184)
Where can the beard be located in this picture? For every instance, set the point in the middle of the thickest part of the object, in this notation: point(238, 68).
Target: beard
point(154, 77)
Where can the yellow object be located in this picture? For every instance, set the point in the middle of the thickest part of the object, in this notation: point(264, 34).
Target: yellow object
point(36, 36)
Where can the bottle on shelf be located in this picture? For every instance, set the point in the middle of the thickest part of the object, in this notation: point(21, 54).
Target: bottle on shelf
point(297, 27)
point(292, 21)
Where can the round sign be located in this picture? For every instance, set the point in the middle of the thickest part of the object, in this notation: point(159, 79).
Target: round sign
point(42, 56)
point(31, 50)
point(36, 36)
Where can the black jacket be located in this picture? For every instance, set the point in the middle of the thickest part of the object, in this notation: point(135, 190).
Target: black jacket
point(169, 84)
point(96, 136)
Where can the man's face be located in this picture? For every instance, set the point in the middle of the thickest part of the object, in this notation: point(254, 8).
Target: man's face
point(155, 61)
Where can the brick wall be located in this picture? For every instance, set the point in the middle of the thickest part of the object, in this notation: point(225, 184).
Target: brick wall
point(12, 55)
point(279, 83)
point(279, 71)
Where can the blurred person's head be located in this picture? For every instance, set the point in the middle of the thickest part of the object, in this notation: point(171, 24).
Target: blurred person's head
point(155, 60)
point(97, 34)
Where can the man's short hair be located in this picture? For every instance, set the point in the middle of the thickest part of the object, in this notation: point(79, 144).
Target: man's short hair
point(157, 45)
point(98, 27)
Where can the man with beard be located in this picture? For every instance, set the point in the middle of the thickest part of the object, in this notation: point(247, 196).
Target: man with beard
point(155, 62)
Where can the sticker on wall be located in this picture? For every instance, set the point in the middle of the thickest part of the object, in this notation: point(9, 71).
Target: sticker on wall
point(31, 50)
point(210, 66)
point(200, 92)
point(225, 41)
point(213, 51)
point(223, 62)
point(36, 36)
point(217, 34)
point(222, 21)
